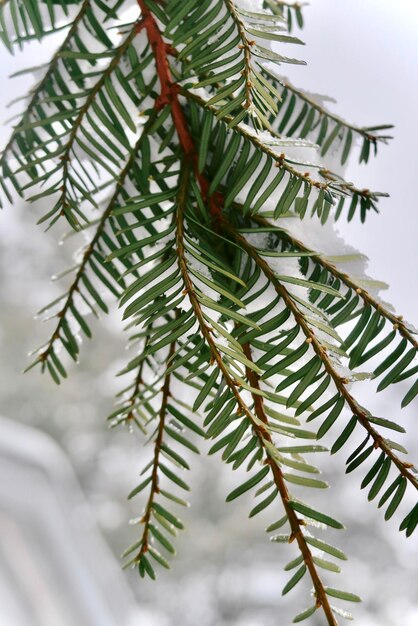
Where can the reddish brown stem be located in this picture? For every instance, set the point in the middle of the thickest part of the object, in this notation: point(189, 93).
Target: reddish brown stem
point(294, 521)
point(169, 96)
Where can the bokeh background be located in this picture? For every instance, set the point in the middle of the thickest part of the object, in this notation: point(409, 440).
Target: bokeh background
point(60, 545)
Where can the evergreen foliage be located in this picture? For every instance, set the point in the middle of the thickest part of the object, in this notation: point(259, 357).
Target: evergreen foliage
point(165, 138)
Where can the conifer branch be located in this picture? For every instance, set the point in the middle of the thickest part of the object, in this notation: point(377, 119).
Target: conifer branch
point(359, 130)
point(213, 309)
point(245, 46)
point(283, 162)
point(295, 523)
point(154, 486)
point(66, 155)
point(51, 68)
point(262, 433)
point(279, 159)
point(360, 413)
point(337, 183)
point(74, 288)
point(190, 291)
point(169, 95)
point(169, 90)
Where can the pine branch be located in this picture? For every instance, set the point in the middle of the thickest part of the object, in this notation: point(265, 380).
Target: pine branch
point(296, 524)
point(154, 486)
point(169, 91)
point(279, 159)
point(169, 95)
point(190, 290)
point(245, 46)
point(262, 434)
point(337, 183)
point(209, 306)
point(42, 84)
point(333, 190)
point(66, 154)
point(357, 410)
point(75, 286)
point(254, 97)
point(357, 302)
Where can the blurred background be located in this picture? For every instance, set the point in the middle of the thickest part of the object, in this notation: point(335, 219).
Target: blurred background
point(64, 476)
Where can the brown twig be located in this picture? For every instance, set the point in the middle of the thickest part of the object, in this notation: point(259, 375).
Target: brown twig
point(294, 521)
point(154, 488)
point(246, 47)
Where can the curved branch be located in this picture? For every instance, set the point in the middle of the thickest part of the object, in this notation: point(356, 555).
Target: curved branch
point(89, 250)
point(65, 157)
point(154, 488)
point(357, 410)
point(281, 161)
point(336, 182)
point(169, 95)
point(262, 433)
point(169, 90)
